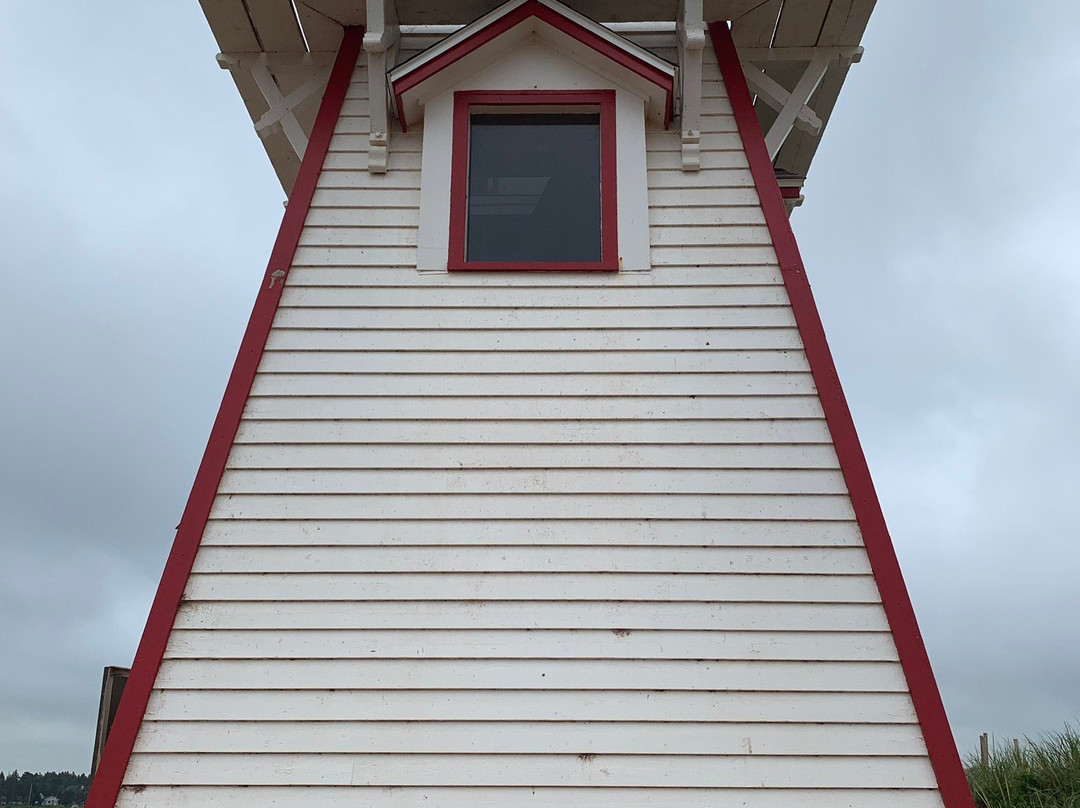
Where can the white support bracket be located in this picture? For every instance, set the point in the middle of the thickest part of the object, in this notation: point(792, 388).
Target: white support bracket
point(380, 39)
point(280, 115)
point(792, 108)
point(691, 32)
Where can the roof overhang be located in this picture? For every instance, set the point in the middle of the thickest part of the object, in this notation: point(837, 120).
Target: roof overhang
point(295, 42)
point(479, 44)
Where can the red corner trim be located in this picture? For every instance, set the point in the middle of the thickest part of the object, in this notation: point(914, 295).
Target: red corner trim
point(894, 596)
point(533, 8)
point(459, 176)
point(129, 716)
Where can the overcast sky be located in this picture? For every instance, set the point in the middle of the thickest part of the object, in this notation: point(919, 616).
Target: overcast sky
point(137, 211)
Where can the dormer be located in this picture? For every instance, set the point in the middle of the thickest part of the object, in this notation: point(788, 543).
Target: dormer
point(534, 121)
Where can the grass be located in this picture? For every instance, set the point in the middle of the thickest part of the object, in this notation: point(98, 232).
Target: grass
point(1045, 773)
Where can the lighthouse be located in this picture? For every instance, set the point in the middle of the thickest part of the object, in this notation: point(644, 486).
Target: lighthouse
point(534, 483)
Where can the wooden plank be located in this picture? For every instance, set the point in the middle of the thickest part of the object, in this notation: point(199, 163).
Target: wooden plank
point(554, 384)
point(530, 586)
point(717, 178)
point(554, 737)
point(767, 274)
point(231, 25)
point(889, 709)
point(701, 197)
point(535, 362)
point(582, 297)
point(364, 217)
point(717, 216)
point(531, 674)
point(535, 770)
point(532, 615)
point(276, 26)
point(621, 532)
point(364, 235)
point(342, 427)
point(800, 23)
point(524, 481)
point(516, 644)
point(406, 179)
point(530, 797)
point(439, 317)
point(534, 456)
point(755, 28)
point(626, 340)
point(343, 198)
point(539, 559)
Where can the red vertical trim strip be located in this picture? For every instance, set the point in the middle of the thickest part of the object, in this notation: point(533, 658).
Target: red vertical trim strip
point(129, 716)
point(940, 745)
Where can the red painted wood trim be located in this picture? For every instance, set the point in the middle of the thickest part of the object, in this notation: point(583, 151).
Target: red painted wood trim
point(129, 716)
point(459, 175)
point(533, 8)
point(894, 596)
point(790, 193)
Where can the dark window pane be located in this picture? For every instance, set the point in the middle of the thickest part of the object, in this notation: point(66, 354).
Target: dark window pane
point(534, 188)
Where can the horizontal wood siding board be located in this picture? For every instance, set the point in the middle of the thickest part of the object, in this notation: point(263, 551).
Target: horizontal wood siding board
point(737, 616)
point(534, 558)
point(673, 384)
point(534, 456)
point(523, 481)
point(543, 644)
point(626, 340)
point(532, 674)
point(458, 587)
point(553, 531)
point(532, 797)
point(521, 737)
point(534, 362)
point(888, 709)
point(535, 770)
point(801, 507)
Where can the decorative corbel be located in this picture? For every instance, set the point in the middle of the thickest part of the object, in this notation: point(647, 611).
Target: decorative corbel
point(380, 38)
point(691, 30)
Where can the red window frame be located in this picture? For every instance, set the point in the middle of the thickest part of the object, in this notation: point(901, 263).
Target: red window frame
point(459, 175)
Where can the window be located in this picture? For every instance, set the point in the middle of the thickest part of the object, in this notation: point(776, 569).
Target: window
point(533, 181)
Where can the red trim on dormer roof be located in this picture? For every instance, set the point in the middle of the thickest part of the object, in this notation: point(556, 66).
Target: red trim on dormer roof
point(546, 14)
point(940, 746)
point(129, 716)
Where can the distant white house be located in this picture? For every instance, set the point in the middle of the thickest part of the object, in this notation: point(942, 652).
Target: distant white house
point(51, 801)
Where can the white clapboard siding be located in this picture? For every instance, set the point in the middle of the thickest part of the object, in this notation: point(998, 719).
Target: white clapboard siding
point(536, 539)
point(535, 456)
point(610, 771)
point(548, 532)
point(535, 558)
point(528, 797)
point(537, 614)
point(827, 709)
point(521, 737)
point(547, 644)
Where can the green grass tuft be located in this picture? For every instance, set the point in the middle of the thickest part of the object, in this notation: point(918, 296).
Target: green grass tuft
point(1045, 773)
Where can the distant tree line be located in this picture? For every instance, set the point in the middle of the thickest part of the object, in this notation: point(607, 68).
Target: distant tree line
point(69, 788)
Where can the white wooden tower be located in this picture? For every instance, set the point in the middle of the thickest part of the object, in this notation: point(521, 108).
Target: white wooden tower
point(534, 484)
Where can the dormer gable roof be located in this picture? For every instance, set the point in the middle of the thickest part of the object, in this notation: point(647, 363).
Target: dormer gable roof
point(489, 38)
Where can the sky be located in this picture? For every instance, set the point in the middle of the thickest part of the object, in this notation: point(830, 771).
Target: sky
point(138, 209)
